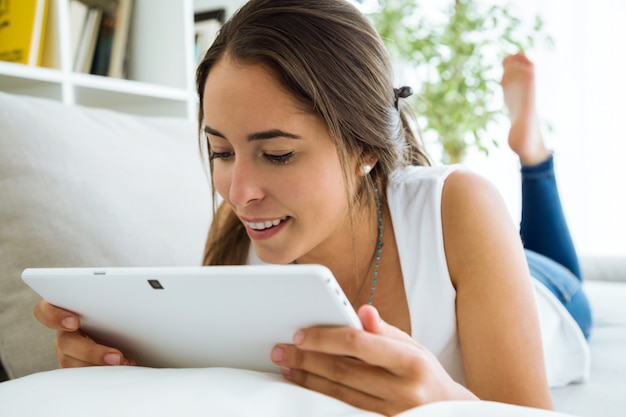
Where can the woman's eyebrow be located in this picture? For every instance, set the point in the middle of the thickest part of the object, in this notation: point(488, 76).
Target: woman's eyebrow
point(271, 134)
point(213, 132)
point(268, 134)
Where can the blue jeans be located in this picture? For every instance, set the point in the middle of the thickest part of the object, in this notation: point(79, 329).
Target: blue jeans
point(550, 252)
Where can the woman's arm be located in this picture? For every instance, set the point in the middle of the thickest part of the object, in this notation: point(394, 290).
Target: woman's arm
point(496, 314)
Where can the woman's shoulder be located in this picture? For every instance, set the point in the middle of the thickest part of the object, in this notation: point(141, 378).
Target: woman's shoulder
point(434, 181)
point(427, 182)
point(415, 193)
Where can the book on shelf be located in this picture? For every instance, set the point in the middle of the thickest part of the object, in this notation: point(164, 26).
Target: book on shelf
point(103, 49)
point(119, 48)
point(22, 30)
point(78, 17)
point(89, 36)
point(104, 41)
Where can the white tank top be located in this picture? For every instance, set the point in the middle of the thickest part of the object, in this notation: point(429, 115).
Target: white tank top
point(414, 198)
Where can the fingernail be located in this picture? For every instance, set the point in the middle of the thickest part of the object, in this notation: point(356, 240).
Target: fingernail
point(278, 354)
point(112, 359)
point(69, 323)
point(298, 338)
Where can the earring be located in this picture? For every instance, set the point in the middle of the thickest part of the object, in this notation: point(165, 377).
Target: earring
point(366, 168)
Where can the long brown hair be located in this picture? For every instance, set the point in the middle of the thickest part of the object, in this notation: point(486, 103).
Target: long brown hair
point(330, 58)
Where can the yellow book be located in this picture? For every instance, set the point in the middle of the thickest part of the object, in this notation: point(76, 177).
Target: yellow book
point(22, 28)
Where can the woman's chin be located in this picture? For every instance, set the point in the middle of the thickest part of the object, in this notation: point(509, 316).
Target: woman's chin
point(271, 257)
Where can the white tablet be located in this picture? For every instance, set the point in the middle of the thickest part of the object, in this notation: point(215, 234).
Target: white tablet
point(228, 316)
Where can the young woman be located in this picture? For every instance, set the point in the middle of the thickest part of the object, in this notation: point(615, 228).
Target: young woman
point(313, 151)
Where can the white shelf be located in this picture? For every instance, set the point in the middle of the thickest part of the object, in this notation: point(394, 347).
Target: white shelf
point(13, 71)
point(32, 81)
point(160, 76)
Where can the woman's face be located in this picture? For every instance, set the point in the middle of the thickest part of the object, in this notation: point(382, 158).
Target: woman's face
point(275, 165)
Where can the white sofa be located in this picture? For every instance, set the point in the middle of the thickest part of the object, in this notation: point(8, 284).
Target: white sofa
point(90, 187)
point(605, 392)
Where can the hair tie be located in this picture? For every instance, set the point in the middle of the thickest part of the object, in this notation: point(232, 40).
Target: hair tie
point(402, 92)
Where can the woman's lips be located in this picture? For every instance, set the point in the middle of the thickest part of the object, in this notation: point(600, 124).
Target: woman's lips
point(261, 230)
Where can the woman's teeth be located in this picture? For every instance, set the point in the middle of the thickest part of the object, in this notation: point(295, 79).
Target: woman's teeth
point(266, 224)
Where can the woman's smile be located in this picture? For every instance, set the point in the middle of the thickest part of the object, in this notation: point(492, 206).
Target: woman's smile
point(262, 230)
point(266, 224)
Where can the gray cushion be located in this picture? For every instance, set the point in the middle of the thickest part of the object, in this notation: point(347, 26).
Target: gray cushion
point(89, 187)
point(603, 268)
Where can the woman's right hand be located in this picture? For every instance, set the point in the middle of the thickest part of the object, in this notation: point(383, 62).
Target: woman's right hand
point(75, 348)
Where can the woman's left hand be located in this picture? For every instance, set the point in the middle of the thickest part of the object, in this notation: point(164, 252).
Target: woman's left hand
point(380, 368)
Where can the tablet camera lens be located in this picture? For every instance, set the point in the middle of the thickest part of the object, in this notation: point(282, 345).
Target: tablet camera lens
point(154, 283)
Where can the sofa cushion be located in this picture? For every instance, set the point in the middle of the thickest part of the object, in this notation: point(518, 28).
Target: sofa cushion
point(603, 393)
point(603, 268)
point(89, 187)
point(129, 391)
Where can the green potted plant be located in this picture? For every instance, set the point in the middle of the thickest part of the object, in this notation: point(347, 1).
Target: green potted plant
point(456, 60)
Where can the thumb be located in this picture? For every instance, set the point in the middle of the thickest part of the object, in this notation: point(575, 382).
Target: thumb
point(373, 323)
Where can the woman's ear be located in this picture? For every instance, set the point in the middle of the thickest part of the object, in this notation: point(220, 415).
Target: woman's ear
point(368, 162)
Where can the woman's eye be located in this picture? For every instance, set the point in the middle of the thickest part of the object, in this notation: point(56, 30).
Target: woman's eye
point(221, 155)
point(279, 159)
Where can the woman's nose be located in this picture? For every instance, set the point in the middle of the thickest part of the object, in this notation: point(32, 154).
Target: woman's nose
point(246, 184)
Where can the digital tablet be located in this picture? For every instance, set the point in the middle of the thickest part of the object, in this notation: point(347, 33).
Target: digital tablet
point(176, 317)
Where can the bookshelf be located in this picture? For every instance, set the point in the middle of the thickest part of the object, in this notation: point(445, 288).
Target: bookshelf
point(160, 79)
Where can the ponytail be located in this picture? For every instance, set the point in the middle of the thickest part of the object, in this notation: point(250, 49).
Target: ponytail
point(415, 152)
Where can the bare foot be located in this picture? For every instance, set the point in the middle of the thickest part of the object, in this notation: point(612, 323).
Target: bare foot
point(518, 86)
